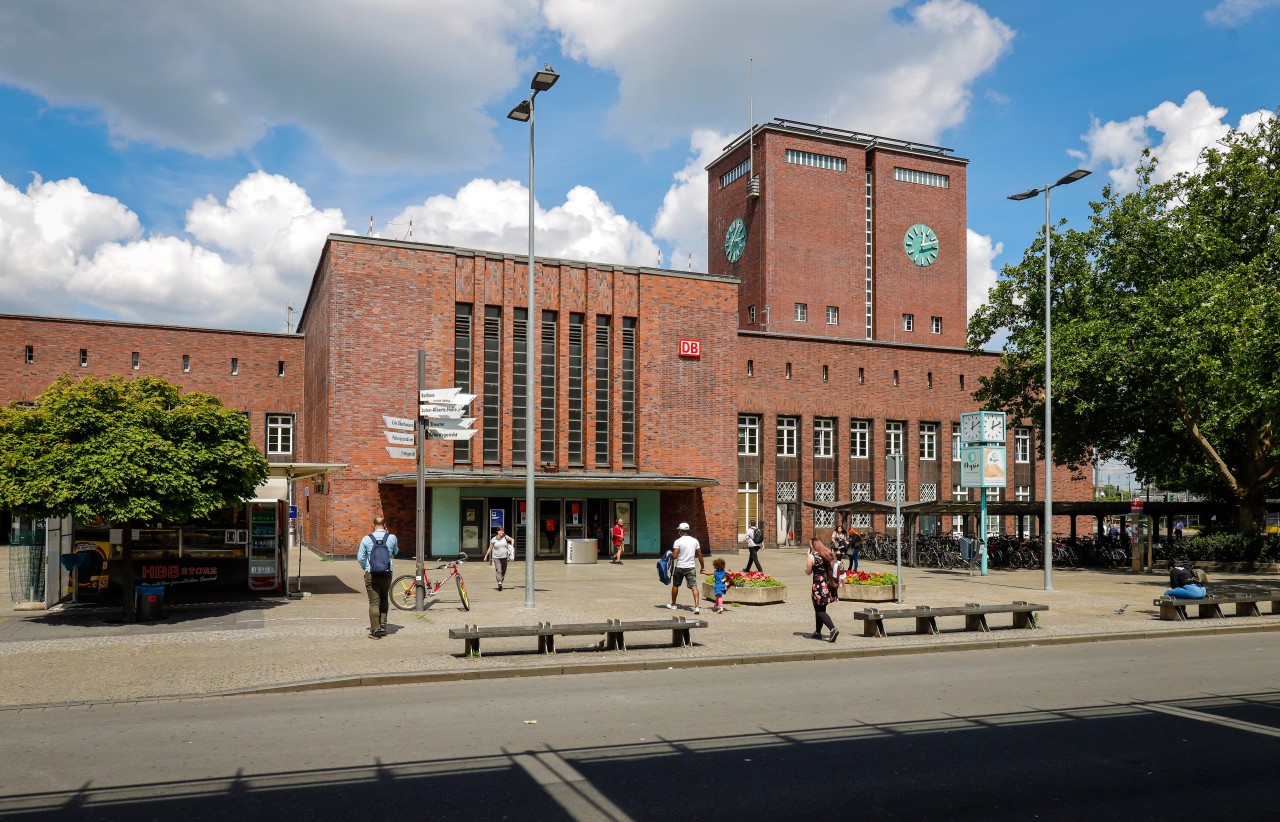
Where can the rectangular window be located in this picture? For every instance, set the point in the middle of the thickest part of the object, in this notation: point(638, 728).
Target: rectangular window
point(833, 315)
point(895, 376)
point(962, 382)
point(859, 439)
point(574, 430)
point(547, 429)
point(868, 251)
point(748, 435)
point(751, 368)
point(519, 385)
point(862, 376)
point(787, 429)
point(741, 169)
point(924, 178)
point(629, 392)
point(492, 387)
point(748, 505)
point(603, 405)
point(279, 434)
point(1022, 493)
point(928, 380)
point(908, 322)
point(935, 325)
point(84, 357)
point(826, 372)
point(806, 158)
point(824, 437)
point(235, 366)
point(135, 359)
point(1022, 445)
point(186, 363)
point(955, 442)
point(30, 354)
point(462, 368)
point(751, 314)
point(788, 370)
point(928, 440)
point(802, 312)
point(280, 368)
point(893, 437)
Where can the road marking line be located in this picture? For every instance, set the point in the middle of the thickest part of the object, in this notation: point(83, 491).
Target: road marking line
point(570, 789)
point(1186, 713)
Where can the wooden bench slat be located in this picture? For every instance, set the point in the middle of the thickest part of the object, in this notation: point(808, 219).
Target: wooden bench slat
point(546, 632)
point(926, 617)
point(1210, 607)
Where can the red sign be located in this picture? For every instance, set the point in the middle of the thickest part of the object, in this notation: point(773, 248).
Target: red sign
point(691, 348)
point(1135, 506)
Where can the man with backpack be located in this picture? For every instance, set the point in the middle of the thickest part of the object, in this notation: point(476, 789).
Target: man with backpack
point(374, 556)
point(755, 541)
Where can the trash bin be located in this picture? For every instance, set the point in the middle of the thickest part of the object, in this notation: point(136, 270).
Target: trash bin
point(581, 552)
point(150, 602)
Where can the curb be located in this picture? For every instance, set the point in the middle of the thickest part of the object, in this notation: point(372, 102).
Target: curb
point(426, 677)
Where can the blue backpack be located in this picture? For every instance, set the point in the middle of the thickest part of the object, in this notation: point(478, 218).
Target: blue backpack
point(379, 555)
point(664, 569)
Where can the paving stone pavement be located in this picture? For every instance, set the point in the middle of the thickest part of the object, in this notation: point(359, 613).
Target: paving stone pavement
point(75, 655)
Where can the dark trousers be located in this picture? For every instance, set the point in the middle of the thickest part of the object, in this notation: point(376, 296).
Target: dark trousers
point(378, 589)
point(754, 559)
point(821, 618)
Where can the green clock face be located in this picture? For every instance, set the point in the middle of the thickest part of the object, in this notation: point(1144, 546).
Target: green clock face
point(735, 239)
point(921, 244)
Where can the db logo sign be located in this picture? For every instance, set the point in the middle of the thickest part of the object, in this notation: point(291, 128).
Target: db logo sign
point(691, 348)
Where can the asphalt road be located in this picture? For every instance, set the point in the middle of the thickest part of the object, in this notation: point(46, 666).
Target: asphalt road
point(1116, 730)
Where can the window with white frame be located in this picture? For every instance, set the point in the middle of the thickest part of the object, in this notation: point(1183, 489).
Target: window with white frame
point(279, 433)
point(893, 437)
point(748, 505)
point(833, 315)
point(859, 439)
point(751, 314)
point(955, 442)
point(1022, 493)
point(924, 178)
point(908, 322)
point(935, 325)
point(928, 440)
point(1022, 445)
point(808, 158)
point(802, 312)
point(824, 437)
point(748, 435)
point(787, 430)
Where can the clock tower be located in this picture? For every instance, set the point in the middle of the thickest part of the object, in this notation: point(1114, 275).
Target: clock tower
point(841, 234)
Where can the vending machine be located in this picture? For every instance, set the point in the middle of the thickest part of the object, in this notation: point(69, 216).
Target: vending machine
point(265, 518)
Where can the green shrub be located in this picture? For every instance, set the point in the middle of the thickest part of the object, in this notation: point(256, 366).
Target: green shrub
point(1225, 547)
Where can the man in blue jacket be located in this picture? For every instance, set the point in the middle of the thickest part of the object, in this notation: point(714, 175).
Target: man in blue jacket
point(374, 556)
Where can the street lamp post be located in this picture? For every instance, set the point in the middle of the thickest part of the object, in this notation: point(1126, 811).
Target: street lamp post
point(1078, 174)
point(523, 112)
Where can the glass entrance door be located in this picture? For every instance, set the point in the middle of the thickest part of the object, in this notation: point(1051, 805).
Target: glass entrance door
point(550, 528)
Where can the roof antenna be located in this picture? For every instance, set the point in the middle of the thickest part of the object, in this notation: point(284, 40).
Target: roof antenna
point(753, 184)
point(288, 319)
point(370, 225)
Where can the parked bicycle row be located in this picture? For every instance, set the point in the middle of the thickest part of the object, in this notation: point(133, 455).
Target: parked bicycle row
point(951, 551)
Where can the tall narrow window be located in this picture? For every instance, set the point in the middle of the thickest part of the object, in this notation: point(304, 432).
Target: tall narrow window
point(893, 437)
point(31, 354)
point(825, 373)
point(1022, 445)
point(868, 252)
point(859, 439)
point(492, 384)
point(462, 368)
point(629, 392)
point(135, 359)
point(788, 370)
point(908, 322)
point(751, 368)
point(235, 366)
point(519, 385)
point(824, 437)
point(575, 389)
point(751, 314)
point(928, 440)
point(280, 368)
point(279, 434)
point(802, 312)
point(935, 325)
point(547, 399)
point(748, 435)
point(955, 442)
point(786, 440)
point(84, 358)
point(186, 363)
point(603, 406)
point(862, 376)
point(833, 315)
point(895, 376)
point(748, 505)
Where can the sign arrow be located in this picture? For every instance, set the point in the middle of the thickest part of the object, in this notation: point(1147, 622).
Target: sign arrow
point(438, 394)
point(398, 423)
point(400, 437)
point(402, 453)
point(451, 433)
point(440, 412)
point(450, 423)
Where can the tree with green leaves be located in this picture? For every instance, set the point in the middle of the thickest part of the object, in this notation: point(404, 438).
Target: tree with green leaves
point(1166, 327)
point(126, 451)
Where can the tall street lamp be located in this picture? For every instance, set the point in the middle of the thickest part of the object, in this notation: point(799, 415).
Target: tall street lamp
point(1078, 174)
point(542, 80)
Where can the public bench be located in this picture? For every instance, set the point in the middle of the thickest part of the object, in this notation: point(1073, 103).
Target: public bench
point(614, 631)
point(926, 617)
point(1173, 608)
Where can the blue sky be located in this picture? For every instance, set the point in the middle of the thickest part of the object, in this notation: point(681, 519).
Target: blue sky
point(182, 163)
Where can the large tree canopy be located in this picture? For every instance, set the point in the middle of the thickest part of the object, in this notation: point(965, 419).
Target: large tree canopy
point(1166, 327)
point(127, 451)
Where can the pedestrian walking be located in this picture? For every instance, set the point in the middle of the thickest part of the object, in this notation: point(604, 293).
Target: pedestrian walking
point(721, 582)
point(619, 535)
point(755, 541)
point(686, 554)
point(502, 549)
point(821, 564)
point(374, 555)
point(854, 546)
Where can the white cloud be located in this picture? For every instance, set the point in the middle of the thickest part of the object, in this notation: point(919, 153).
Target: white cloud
point(1187, 130)
point(494, 216)
point(982, 275)
point(852, 65)
point(1232, 13)
point(65, 249)
point(682, 219)
point(380, 84)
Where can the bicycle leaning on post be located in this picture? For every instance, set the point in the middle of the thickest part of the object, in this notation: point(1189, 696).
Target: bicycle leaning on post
point(404, 590)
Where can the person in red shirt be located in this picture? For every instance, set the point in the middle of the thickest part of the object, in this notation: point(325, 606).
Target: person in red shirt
point(619, 533)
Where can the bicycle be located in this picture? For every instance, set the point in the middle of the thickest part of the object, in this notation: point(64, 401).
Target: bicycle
point(404, 590)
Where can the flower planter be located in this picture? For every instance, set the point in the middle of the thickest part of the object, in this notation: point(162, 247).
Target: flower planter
point(870, 593)
point(747, 596)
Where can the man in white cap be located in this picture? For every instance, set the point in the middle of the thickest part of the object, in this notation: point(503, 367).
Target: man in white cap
point(686, 554)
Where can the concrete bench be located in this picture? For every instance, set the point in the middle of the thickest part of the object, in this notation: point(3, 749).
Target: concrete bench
point(926, 617)
point(614, 631)
point(1210, 607)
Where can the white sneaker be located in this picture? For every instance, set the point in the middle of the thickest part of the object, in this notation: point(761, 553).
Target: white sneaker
point(672, 607)
point(697, 610)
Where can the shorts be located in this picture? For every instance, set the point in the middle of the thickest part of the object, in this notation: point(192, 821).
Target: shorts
point(689, 575)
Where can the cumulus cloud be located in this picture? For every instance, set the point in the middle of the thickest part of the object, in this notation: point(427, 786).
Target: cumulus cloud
point(869, 66)
point(65, 250)
point(1232, 13)
point(1186, 130)
point(982, 274)
point(682, 218)
point(380, 84)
